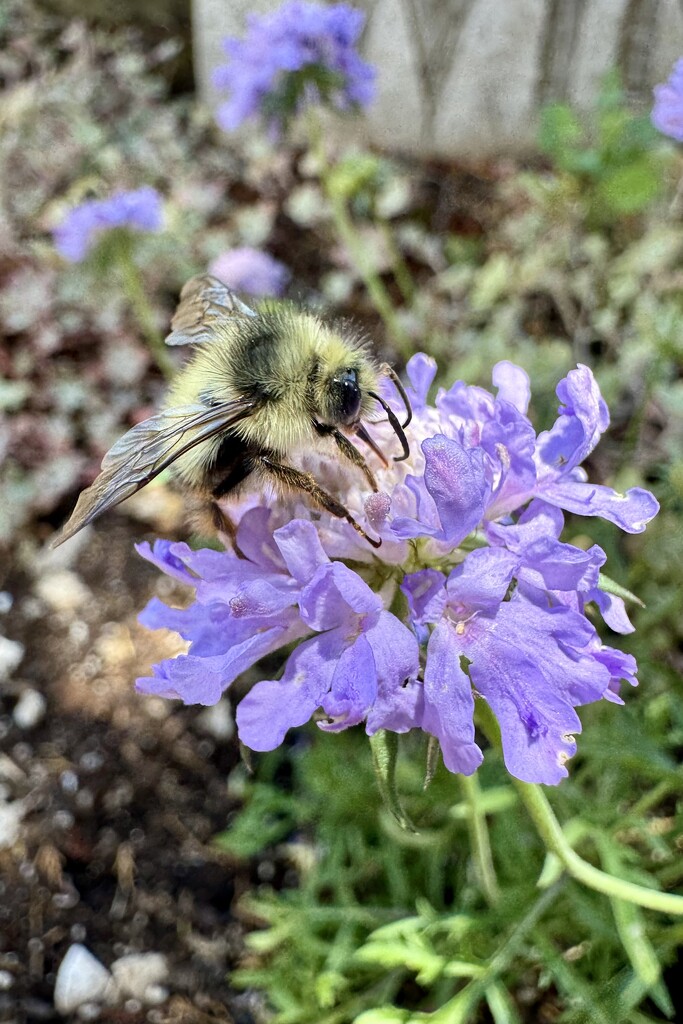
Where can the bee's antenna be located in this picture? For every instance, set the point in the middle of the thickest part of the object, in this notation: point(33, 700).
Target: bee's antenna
point(398, 429)
point(391, 372)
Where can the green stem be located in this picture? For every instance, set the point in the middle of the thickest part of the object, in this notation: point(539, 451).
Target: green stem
point(479, 838)
point(142, 310)
point(551, 833)
point(378, 293)
point(402, 275)
point(652, 798)
point(459, 1009)
point(346, 228)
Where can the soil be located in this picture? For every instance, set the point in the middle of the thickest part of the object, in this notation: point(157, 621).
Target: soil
point(121, 797)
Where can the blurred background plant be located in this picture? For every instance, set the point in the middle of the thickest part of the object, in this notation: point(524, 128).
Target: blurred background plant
point(576, 255)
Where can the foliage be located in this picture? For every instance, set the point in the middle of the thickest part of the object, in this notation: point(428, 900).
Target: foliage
point(581, 260)
point(611, 168)
point(385, 917)
point(582, 263)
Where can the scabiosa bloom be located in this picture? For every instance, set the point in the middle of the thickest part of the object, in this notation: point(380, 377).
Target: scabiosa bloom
point(473, 595)
point(82, 226)
point(667, 113)
point(251, 271)
point(302, 53)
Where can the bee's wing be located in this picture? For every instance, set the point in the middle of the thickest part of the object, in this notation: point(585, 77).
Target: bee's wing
point(204, 300)
point(147, 449)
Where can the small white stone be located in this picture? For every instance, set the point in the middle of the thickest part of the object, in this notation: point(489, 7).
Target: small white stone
point(89, 1011)
point(10, 822)
point(29, 709)
point(155, 995)
point(217, 720)
point(135, 973)
point(81, 978)
point(11, 653)
point(62, 591)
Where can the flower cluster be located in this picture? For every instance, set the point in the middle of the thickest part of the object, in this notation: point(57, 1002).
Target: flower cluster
point(82, 226)
point(472, 595)
point(251, 271)
point(667, 113)
point(302, 53)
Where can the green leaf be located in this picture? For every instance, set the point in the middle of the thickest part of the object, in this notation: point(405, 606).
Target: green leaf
point(267, 818)
point(609, 586)
point(384, 747)
point(630, 189)
point(629, 920)
point(501, 1005)
point(560, 131)
point(383, 1015)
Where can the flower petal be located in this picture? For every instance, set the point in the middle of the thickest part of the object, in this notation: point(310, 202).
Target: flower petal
point(455, 478)
point(449, 703)
point(300, 547)
point(513, 384)
point(273, 706)
point(353, 689)
point(334, 594)
point(631, 511)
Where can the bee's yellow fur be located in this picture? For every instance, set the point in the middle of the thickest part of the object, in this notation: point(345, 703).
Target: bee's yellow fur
point(286, 355)
point(258, 389)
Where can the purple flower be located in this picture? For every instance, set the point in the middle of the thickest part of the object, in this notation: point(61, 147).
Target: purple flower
point(251, 271)
point(302, 53)
point(667, 113)
point(83, 225)
point(533, 662)
point(472, 596)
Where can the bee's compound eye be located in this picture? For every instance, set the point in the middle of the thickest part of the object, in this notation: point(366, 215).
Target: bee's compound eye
point(348, 397)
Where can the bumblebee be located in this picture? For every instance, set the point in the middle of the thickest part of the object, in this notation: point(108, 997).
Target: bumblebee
point(259, 387)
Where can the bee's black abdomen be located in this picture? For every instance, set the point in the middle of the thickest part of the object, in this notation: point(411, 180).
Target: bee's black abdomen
point(234, 462)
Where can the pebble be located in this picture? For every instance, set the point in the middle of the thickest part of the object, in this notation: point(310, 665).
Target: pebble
point(62, 591)
point(29, 709)
point(10, 822)
point(139, 975)
point(11, 653)
point(81, 978)
point(217, 720)
point(155, 995)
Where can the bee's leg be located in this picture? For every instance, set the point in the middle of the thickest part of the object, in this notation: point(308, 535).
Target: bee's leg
point(232, 465)
point(222, 523)
point(348, 450)
point(299, 481)
point(207, 518)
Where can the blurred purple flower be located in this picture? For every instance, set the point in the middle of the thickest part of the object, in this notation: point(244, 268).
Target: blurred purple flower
point(667, 112)
point(82, 226)
point(302, 53)
point(251, 271)
point(494, 603)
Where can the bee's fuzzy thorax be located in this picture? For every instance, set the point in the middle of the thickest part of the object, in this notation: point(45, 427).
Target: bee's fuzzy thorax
point(260, 392)
point(284, 361)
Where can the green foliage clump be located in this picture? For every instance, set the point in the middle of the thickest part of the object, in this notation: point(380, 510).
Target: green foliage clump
point(374, 923)
point(582, 262)
point(613, 166)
